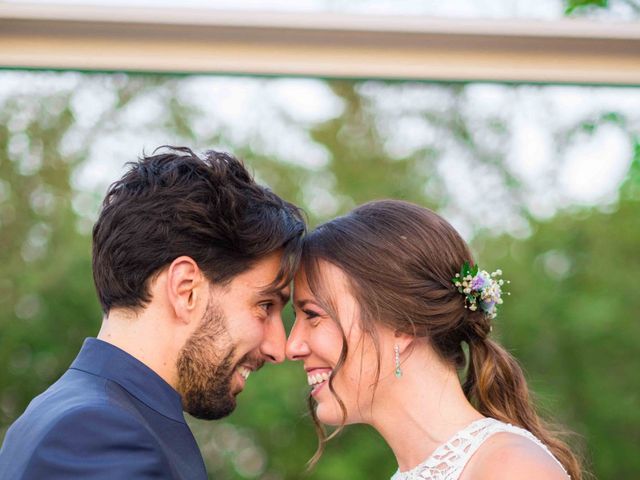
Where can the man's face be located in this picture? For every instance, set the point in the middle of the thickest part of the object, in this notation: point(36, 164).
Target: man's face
point(240, 330)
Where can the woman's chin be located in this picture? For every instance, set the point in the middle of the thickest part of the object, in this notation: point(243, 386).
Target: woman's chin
point(329, 415)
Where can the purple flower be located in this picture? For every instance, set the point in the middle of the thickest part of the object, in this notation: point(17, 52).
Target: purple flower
point(479, 282)
point(488, 307)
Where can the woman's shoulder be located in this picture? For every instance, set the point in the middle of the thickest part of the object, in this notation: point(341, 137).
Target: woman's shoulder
point(512, 455)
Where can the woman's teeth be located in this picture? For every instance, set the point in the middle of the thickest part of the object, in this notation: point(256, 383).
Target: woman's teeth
point(244, 372)
point(318, 378)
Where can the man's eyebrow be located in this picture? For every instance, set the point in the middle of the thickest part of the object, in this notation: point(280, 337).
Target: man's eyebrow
point(282, 296)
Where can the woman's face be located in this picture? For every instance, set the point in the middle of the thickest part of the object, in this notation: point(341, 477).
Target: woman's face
point(316, 340)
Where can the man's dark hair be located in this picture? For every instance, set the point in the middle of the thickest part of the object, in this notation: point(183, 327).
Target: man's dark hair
point(176, 203)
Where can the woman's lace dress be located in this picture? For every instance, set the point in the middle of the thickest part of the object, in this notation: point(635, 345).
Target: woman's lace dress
point(448, 460)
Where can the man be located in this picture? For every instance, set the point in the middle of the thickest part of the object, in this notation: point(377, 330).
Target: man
point(192, 262)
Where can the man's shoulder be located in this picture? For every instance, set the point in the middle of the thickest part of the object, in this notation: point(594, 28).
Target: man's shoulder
point(77, 405)
point(83, 426)
point(95, 421)
point(75, 394)
point(96, 441)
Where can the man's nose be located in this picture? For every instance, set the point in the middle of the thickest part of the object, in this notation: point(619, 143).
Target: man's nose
point(273, 346)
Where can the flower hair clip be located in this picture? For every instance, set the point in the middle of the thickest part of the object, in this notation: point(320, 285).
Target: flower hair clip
point(481, 289)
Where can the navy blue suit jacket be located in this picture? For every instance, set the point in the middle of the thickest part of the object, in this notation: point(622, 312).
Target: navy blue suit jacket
point(108, 417)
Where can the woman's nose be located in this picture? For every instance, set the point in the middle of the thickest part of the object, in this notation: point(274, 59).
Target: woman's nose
point(297, 347)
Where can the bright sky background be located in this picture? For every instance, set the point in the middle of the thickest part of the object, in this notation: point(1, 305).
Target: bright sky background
point(532, 9)
point(592, 169)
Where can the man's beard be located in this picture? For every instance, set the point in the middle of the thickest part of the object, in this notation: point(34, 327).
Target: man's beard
point(205, 369)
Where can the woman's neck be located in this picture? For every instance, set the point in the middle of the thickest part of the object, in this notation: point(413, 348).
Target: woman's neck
point(420, 411)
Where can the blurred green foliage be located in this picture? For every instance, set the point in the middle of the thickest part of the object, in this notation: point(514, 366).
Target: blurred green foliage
point(573, 322)
point(588, 7)
point(572, 319)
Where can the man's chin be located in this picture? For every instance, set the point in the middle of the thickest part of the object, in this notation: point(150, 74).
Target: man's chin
point(203, 410)
point(213, 413)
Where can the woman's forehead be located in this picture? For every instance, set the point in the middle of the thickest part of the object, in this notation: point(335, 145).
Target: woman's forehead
point(324, 275)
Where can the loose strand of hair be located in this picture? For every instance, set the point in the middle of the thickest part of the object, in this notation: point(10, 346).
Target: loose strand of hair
point(323, 438)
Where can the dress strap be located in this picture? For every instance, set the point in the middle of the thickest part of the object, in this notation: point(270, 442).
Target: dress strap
point(449, 460)
point(496, 426)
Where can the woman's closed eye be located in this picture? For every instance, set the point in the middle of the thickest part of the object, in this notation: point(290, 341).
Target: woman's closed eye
point(312, 316)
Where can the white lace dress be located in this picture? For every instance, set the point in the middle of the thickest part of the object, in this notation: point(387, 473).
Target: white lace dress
point(448, 460)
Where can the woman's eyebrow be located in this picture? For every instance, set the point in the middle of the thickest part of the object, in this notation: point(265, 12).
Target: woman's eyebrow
point(302, 302)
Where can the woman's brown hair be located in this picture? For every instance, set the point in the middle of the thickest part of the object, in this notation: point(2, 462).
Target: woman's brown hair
point(399, 259)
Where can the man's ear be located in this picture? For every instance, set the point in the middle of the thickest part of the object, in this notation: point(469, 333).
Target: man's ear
point(185, 282)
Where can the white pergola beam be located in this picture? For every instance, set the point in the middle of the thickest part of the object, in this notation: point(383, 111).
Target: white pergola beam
point(321, 45)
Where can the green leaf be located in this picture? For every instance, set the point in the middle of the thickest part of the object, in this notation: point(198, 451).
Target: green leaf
point(464, 270)
point(573, 5)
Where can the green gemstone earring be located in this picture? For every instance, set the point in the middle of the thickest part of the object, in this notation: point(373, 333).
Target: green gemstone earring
point(398, 370)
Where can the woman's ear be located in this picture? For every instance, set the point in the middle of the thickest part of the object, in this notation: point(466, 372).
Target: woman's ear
point(184, 287)
point(402, 340)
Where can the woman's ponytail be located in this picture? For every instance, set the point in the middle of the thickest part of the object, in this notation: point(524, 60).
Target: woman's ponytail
point(496, 386)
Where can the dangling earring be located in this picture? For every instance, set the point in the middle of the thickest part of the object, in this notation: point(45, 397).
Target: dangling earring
point(398, 370)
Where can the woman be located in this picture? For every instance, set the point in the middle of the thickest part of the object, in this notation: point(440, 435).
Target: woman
point(387, 301)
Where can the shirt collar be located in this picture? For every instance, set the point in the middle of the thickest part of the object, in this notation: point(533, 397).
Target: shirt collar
point(108, 361)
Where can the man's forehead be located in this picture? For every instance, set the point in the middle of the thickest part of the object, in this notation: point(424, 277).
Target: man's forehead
point(255, 288)
point(263, 282)
point(262, 272)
